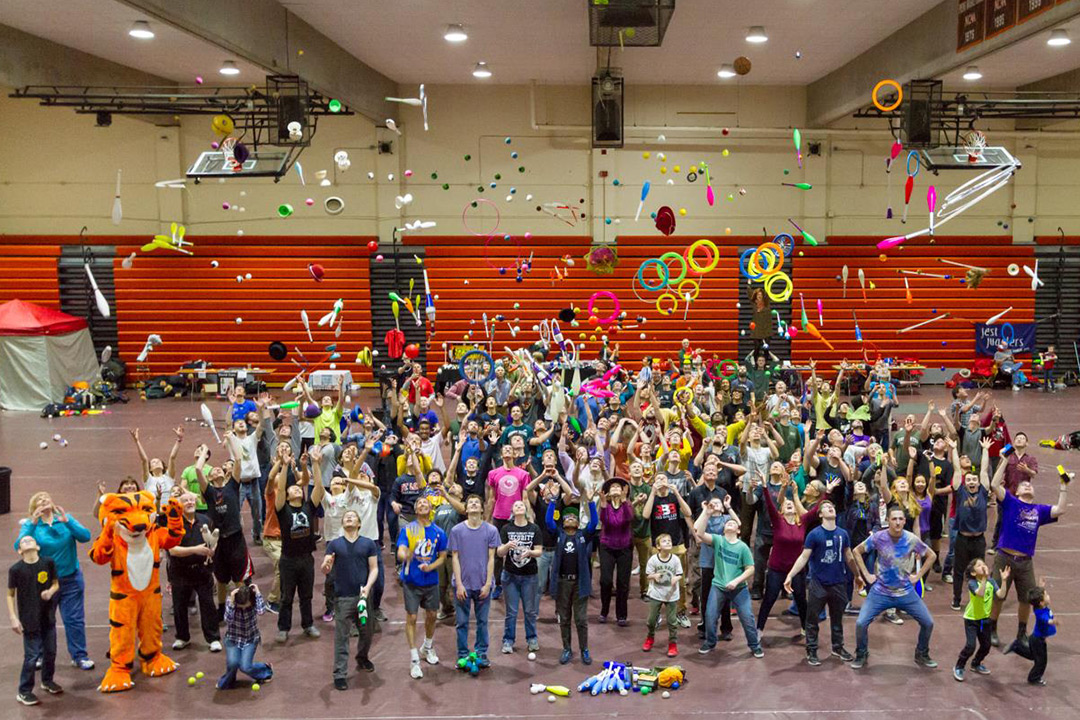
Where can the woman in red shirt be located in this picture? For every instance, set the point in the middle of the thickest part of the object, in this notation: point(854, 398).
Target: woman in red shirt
point(789, 524)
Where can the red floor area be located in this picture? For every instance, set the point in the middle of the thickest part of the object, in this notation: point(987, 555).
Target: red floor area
point(727, 682)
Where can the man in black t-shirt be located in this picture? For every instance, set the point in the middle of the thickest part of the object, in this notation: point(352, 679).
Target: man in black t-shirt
point(296, 518)
point(938, 469)
point(189, 572)
point(520, 545)
point(32, 584)
point(222, 495)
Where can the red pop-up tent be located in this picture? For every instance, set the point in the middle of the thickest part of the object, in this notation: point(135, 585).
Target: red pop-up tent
point(42, 353)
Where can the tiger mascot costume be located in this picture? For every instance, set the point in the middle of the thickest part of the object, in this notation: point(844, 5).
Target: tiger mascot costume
point(131, 543)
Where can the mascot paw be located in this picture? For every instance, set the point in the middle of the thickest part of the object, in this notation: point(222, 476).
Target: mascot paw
point(174, 509)
point(116, 681)
point(161, 665)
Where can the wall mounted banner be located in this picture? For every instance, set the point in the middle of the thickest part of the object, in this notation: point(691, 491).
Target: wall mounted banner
point(1020, 336)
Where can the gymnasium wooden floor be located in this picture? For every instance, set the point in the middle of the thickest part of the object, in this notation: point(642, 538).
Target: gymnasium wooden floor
point(727, 683)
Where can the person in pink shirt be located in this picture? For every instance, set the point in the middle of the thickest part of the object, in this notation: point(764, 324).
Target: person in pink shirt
point(508, 486)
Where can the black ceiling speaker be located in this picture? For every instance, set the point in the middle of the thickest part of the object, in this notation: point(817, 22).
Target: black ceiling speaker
point(607, 110)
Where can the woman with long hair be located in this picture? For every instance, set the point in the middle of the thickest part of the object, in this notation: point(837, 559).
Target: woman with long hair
point(58, 535)
point(789, 522)
point(616, 547)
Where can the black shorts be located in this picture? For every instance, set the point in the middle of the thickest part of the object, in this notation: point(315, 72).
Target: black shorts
point(938, 512)
point(231, 559)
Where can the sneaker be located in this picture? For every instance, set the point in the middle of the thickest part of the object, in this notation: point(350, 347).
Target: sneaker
point(812, 658)
point(215, 646)
point(602, 619)
point(1040, 682)
point(682, 620)
point(380, 615)
point(981, 669)
point(483, 662)
point(27, 698)
point(52, 688)
point(851, 610)
point(442, 615)
point(725, 637)
point(996, 642)
point(341, 684)
point(83, 663)
point(180, 644)
point(705, 649)
point(507, 648)
point(694, 610)
point(429, 655)
point(755, 595)
point(565, 657)
point(759, 652)
point(648, 644)
point(282, 636)
point(924, 660)
point(415, 671)
point(947, 578)
point(843, 654)
point(1010, 649)
point(274, 607)
point(859, 662)
point(365, 665)
point(586, 658)
point(498, 592)
point(636, 570)
point(956, 605)
point(790, 612)
point(622, 622)
point(958, 673)
point(312, 632)
point(894, 618)
point(328, 617)
point(672, 650)
point(992, 551)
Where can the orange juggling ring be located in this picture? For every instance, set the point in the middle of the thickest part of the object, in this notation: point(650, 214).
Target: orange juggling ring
point(771, 250)
point(899, 95)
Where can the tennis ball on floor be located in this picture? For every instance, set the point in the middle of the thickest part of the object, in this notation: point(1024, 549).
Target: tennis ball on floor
point(551, 698)
point(199, 675)
point(255, 686)
point(191, 681)
point(532, 656)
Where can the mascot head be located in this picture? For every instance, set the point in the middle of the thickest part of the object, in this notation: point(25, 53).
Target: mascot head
point(132, 514)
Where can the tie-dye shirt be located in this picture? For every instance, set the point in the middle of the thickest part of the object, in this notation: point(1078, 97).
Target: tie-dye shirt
point(895, 561)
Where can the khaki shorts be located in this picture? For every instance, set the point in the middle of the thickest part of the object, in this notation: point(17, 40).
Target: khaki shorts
point(1022, 573)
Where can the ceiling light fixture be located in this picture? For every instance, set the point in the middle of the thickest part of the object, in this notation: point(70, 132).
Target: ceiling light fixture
point(972, 73)
point(481, 70)
point(455, 33)
point(229, 68)
point(727, 70)
point(756, 34)
point(1058, 38)
point(141, 29)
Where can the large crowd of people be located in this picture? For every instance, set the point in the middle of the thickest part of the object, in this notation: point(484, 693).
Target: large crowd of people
point(518, 483)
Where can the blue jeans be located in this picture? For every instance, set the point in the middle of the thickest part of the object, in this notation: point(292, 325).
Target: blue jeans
point(242, 659)
point(40, 645)
point(740, 600)
point(947, 567)
point(250, 491)
point(72, 590)
point(386, 513)
point(526, 589)
point(480, 607)
point(380, 585)
point(877, 603)
point(543, 572)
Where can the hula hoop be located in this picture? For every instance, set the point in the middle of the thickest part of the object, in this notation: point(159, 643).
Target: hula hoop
point(899, 95)
point(465, 222)
point(786, 247)
point(773, 267)
point(491, 365)
point(697, 288)
point(641, 275)
point(674, 256)
point(683, 389)
point(714, 257)
point(744, 264)
point(779, 297)
point(722, 376)
point(1012, 334)
point(614, 313)
point(674, 303)
point(910, 155)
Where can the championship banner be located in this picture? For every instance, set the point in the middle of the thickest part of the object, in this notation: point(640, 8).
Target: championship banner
point(1019, 336)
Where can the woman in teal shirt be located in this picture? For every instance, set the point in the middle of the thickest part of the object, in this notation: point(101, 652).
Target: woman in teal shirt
point(58, 534)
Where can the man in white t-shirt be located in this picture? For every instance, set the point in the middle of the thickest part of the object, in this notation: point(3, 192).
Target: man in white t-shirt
point(243, 447)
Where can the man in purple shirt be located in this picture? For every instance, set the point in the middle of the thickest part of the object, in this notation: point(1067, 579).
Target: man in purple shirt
point(1021, 519)
point(473, 543)
point(1020, 466)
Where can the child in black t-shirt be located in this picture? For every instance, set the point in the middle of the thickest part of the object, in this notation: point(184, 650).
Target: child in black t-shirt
point(32, 583)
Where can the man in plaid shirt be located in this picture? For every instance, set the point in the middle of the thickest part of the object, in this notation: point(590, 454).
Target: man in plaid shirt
point(242, 638)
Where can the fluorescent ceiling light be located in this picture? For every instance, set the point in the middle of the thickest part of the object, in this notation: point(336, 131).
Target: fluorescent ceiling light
point(1059, 38)
point(481, 70)
point(229, 68)
point(972, 73)
point(756, 34)
point(455, 34)
point(141, 29)
point(726, 71)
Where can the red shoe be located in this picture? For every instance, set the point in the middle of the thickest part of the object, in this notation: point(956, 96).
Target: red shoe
point(693, 609)
point(672, 650)
point(647, 645)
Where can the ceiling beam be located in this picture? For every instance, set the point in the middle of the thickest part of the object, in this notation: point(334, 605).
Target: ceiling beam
point(924, 48)
point(1066, 82)
point(264, 33)
point(30, 60)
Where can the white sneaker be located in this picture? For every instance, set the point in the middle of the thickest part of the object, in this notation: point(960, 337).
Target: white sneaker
point(415, 670)
point(215, 646)
point(430, 656)
point(636, 570)
point(180, 644)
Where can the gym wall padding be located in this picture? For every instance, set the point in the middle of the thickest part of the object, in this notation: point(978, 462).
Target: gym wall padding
point(29, 273)
point(194, 306)
point(712, 323)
